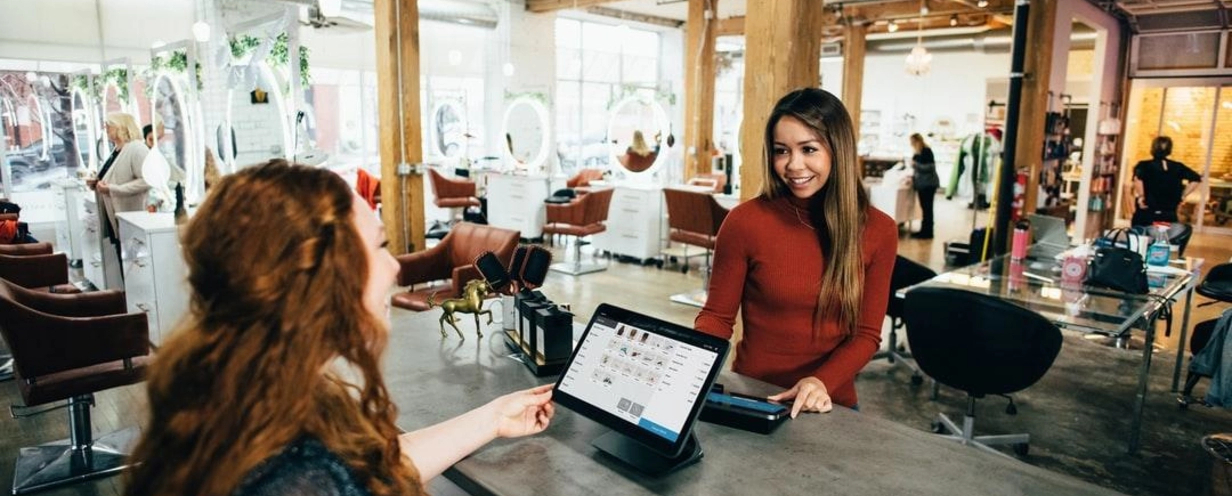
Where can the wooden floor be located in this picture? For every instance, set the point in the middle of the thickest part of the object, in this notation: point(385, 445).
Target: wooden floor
point(1077, 415)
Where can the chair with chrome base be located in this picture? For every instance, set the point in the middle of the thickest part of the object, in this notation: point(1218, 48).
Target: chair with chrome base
point(33, 266)
point(67, 347)
point(981, 345)
point(693, 218)
point(442, 271)
point(582, 216)
point(457, 195)
point(906, 273)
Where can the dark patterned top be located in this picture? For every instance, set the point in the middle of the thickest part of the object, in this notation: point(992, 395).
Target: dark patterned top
point(305, 467)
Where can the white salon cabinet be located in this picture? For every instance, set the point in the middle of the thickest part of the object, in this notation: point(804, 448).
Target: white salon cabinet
point(154, 271)
point(634, 222)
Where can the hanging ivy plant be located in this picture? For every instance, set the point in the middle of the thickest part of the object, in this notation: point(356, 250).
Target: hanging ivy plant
point(119, 77)
point(83, 83)
point(178, 63)
point(280, 57)
point(243, 45)
point(627, 90)
point(540, 96)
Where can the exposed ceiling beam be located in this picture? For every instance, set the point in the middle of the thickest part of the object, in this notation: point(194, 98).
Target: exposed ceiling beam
point(633, 16)
point(541, 6)
point(729, 26)
point(908, 28)
point(904, 9)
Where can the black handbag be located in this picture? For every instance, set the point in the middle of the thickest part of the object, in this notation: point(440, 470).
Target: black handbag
point(1120, 269)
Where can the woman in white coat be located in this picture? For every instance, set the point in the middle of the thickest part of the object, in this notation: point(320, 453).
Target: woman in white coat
point(120, 185)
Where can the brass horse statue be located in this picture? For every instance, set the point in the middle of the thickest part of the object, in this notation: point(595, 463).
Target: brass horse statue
point(470, 302)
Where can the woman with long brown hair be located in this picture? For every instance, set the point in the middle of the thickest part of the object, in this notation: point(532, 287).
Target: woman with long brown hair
point(274, 386)
point(807, 262)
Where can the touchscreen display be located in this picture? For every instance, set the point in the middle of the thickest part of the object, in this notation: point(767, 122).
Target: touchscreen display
point(645, 378)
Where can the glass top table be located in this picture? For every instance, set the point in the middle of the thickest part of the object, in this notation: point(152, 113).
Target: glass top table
point(1036, 283)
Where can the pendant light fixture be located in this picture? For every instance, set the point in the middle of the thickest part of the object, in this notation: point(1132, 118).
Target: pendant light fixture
point(919, 61)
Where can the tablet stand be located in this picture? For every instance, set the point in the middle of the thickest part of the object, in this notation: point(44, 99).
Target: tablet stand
point(644, 459)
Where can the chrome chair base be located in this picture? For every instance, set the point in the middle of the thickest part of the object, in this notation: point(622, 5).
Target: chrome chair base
point(577, 268)
point(6, 367)
point(695, 298)
point(58, 464)
point(966, 435)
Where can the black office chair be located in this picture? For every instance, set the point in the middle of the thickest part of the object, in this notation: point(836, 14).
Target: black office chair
point(1217, 286)
point(981, 345)
point(906, 273)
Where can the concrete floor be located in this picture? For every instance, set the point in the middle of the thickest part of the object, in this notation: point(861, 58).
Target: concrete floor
point(1077, 415)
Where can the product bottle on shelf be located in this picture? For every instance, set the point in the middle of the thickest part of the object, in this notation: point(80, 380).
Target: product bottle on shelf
point(1157, 254)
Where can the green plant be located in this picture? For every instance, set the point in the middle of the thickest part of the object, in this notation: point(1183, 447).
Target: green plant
point(119, 77)
point(177, 62)
point(242, 45)
point(85, 84)
point(540, 96)
point(627, 90)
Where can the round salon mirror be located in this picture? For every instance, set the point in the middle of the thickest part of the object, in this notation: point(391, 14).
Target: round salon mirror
point(173, 138)
point(448, 129)
point(83, 130)
point(636, 132)
point(526, 134)
point(110, 103)
point(257, 114)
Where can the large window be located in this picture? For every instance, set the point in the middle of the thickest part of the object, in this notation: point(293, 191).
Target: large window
point(596, 66)
point(341, 117)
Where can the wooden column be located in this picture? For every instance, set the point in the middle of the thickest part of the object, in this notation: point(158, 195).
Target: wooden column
point(1041, 22)
point(782, 53)
point(402, 197)
point(854, 45)
point(699, 87)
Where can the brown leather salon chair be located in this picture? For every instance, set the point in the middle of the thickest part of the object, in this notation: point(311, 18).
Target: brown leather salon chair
point(34, 266)
point(693, 218)
point(454, 194)
point(450, 264)
point(633, 162)
point(711, 180)
point(583, 216)
point(67, 347)
point(581, 181)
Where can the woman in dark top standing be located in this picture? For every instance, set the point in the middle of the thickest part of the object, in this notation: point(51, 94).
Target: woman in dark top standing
point(273, 383)
point(1160, 185)
point(925, 181)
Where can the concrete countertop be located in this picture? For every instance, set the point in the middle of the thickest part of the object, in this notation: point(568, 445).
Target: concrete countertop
point(843, 452)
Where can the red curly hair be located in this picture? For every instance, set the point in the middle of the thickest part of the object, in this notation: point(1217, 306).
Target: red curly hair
point(277, 270)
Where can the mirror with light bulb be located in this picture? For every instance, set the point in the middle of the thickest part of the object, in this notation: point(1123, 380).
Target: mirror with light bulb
point(257, 117)
point(637, 128)
point(448, 131)
point(85, 128)
point(527, 135)
point(173, 137)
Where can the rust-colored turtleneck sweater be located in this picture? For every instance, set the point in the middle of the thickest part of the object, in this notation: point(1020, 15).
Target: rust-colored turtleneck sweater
point(768, 264)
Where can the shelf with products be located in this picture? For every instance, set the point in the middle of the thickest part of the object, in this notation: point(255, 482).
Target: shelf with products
point(1105, 174)
point(1057, 144)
